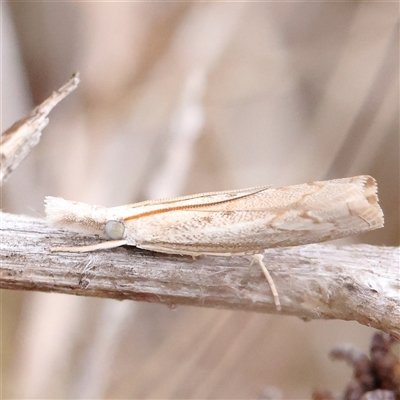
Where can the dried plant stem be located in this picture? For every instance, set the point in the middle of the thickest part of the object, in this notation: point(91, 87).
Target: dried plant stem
point(17, 141)
point(320, 281)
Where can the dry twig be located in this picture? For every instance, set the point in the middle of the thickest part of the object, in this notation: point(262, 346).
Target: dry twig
point(319, 281)
point(17, 141)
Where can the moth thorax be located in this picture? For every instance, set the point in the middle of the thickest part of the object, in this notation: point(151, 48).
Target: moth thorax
point(115, 229)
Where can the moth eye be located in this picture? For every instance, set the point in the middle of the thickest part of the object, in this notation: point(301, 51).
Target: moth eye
point(115, 229)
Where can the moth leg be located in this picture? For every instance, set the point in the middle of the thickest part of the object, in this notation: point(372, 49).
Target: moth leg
point(92, 247)
point(259, 259)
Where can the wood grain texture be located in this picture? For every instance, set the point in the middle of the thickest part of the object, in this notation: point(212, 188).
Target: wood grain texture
point(358, 282)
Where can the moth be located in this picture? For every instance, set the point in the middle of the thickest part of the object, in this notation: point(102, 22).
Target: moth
point(235, 222)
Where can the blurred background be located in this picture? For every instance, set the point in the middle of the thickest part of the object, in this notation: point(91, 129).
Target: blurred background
point(178, 98)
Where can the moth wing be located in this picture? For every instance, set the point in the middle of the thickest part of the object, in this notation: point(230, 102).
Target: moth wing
point(186, 202)
point(262, 217)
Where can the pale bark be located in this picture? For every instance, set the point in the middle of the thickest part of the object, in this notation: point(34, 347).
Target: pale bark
point(318, 281)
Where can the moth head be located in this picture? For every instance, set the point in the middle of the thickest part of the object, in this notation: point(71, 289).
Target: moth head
point(115, 229)
point(84, 218)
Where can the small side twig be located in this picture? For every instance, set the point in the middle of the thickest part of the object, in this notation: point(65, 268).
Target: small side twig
point(320, 281)
point(17, 141)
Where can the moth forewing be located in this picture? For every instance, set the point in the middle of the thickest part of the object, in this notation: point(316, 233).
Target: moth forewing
point(231, 222)
point(288, 216)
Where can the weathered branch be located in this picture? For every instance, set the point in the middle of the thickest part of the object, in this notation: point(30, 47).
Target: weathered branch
point(17, 141)
point(319, 281)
